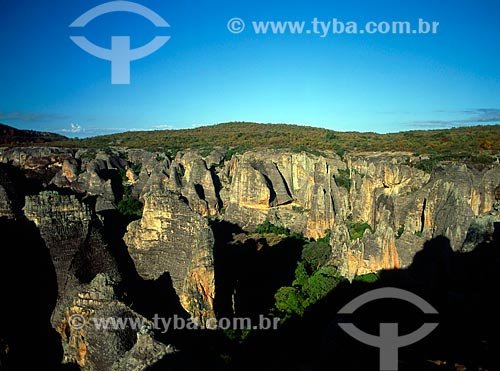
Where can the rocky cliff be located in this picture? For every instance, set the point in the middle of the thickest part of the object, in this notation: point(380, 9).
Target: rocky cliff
point(171, 238)
point(309, 194)
point(402, 205)
point(378, 210)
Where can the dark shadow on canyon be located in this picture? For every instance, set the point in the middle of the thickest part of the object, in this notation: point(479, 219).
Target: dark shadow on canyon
point(29, 292)
point(147, 297)
point(461, 286)
point(248, 271)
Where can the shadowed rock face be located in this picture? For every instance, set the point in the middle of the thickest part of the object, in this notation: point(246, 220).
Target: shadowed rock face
point(95, 347)
point(64, 224)
point(295, 190)
point(88, 275)
point(7, 195)
point(403, 205)
point(172, 244)
point(406, 207)
point(172, 238)
point(306, 193)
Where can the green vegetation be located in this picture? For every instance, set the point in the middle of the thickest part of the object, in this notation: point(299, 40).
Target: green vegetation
point(171, 152)
point(343, 179)
point(302, 148)
point(290, 301)
point(315, 254)
point(314, 280)
point(357, 229)
point(123, 174)
point(89, 155)
point(326, 237)
point(159, 158)
point(136, 168)
point(367, 278)
point(237, 335)
point(321, 282)
point(426, 165)
point(130, 207)
point(429, 164)
point(400, 231)
point(418, 233)
point(10, 136)
point(231, 152)
point(204, 152)
point(477, 144)
point(127, 190)
point(340, 153)
point(299, 209)
point(268, 227)
point(306, 290)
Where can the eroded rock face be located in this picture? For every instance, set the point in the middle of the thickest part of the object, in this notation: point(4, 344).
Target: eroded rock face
point(406, 207)
point(307, 193)
point(7, 195)
point(172, 238)
point(403, 205)
point(87, 276)
point(64, 224)
point(88, 336)
point(295, 190)
point(144, 354)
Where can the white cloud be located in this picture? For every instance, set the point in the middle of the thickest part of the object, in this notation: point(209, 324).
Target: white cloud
point(162, 127)
point(74, 128)
point(469, 118)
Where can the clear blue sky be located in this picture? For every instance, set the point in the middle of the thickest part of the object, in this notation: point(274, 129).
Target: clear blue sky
point(206, 75)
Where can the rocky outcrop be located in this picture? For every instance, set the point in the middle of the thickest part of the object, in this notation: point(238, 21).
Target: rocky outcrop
point(307, 193)
point(68, 174)
point(172, 238)
point(38, 159)
point(64, 224)
point(406, 206)
point(403, 205)
point(102, 179)
point(379, 210)
point(75, 243)
point(8, 195)
point(482, 229)
point(72, 236)
point(295, 190)
point(99, 331)
point(144, 354)
point(87, 278)
point(199, 186)
point(6, 208)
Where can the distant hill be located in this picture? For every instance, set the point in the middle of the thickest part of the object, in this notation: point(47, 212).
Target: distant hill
point(13, 136)
point(477, 143)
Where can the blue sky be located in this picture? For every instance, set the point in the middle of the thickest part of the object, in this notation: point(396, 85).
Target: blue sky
point(206, 75)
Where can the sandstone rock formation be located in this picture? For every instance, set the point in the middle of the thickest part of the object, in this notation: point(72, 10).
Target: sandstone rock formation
point(72, 237)
point(172, 238)
point(86, 273)
point(295, 190)
point(7, 195)
point(379, 209)
point(144, 354)
point(94, 335)
point(391, 195)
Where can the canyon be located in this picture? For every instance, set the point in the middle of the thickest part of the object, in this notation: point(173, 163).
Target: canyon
point(377, 209)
